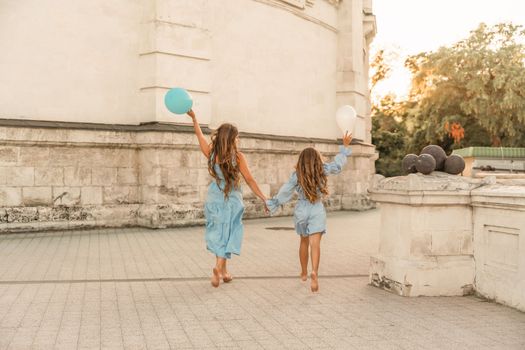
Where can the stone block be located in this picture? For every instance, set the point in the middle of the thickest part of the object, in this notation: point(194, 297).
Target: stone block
point(91, 195)
point(10, 196)
point(66, 196)
point(68, 156)
point(127, 176)
point(120, 194)
point(20, 176)
point(48, 176)
point(3, 175)
point(35, 196)
point(185, 176)
point(77, 176)
point(103, 176)
point(150, 176)
point(35, 156)
point(9, 155)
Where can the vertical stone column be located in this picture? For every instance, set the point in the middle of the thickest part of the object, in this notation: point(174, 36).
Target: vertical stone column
point(356, 26)
point(175, 51)
point(426, 239)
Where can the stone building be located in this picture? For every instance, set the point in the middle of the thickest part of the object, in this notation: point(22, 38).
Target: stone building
point(85, 140)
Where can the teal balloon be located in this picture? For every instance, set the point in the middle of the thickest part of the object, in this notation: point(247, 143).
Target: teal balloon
point(178, 101)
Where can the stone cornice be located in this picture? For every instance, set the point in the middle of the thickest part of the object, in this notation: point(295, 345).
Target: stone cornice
point(146, 135)
point(298, 11)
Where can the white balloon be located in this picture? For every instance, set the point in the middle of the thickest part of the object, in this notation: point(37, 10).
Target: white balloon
point(346, 117)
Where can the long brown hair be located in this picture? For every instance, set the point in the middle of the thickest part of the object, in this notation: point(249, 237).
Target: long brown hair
point(310, 174)
point(224, 153)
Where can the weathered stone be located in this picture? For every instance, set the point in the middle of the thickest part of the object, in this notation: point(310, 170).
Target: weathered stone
point(150, 176)
point(426, 225)
point(22, 215)
point(454, 164)
point(174, 178)
point(77, 176)
point(90, 195)
point(499, 234)
point(127, 176)
point(35, 196)
point(425, 164)
point(437, 153)
point(20, 176)
point(120, 194)
point(10, 196)
point(3, 175)
point(103, 176)
point(67, 156)
point(8, 155)
point(49, 176)
point(409, 163)
point(35, 156)
point(66, 196)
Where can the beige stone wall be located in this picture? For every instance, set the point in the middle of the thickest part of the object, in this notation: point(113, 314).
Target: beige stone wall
point(444, 234)
point(281, 67)
point(152, 176)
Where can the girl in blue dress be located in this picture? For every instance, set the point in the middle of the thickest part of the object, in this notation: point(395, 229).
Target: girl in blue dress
point(309, 180)
point(224, 208)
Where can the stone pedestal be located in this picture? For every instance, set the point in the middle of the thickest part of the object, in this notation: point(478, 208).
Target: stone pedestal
point(499, 242)
point(426, 241)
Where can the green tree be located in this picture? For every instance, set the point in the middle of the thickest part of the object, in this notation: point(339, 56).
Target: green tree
point(478, 83)
point(389, 134)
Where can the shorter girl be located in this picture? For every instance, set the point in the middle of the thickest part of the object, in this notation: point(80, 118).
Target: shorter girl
point(310, 182)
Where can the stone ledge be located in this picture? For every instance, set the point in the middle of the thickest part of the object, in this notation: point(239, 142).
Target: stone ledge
point(66, 134)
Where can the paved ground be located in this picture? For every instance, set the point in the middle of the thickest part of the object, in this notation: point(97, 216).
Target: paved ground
point(142, 289)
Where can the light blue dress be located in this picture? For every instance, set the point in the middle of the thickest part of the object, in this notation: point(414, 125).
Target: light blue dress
point(309, 217)
point(224, 229)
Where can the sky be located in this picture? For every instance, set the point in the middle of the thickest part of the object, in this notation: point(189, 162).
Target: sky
point(409, 27)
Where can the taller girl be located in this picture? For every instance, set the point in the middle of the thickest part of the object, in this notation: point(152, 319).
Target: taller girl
point(224, 207)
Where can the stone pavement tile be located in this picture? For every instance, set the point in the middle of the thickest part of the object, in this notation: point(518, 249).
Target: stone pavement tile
point(142, 253)
point(258, 313)
point(6, 334)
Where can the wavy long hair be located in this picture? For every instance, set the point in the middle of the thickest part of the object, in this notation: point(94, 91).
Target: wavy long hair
point(310, 174)
point(224, 153)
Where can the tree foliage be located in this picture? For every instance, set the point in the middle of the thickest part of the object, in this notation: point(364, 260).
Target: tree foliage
point(477, 83)
point(471, 93)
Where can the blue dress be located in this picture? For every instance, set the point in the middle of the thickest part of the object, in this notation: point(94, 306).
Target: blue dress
point(309, 218)
point(224, 229)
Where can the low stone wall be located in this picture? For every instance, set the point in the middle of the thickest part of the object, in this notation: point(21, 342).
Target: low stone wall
point(68, 175)
point(449, 235)
point(499, 242)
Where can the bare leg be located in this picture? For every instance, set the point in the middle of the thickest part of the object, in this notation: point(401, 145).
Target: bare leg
point(315, 255)
point(215, 277)
point(226, 277)
point(303, 256)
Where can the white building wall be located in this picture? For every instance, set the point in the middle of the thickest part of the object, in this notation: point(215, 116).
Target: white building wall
point(270, 66)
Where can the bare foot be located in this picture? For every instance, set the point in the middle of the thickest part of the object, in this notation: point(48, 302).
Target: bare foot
point(226, 277)
point(314, 284)
point(304, 276)
point(215, 278)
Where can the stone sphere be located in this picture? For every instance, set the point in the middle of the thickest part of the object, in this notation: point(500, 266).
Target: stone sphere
point(454, 164)
point(425, 164)
point(409, 163)
point(438, 153)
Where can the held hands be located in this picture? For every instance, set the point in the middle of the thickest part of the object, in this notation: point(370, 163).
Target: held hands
point(347, 138)
point(266, 209)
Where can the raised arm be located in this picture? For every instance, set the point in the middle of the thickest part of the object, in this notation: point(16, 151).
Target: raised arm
point(284, 195)
point(203, 143)
point(247, 175)
point(335, 166)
